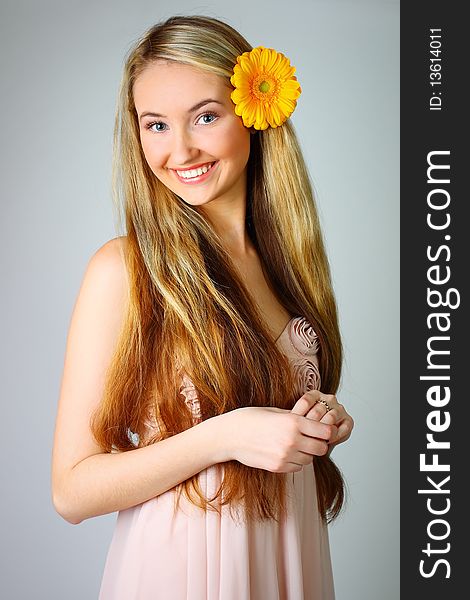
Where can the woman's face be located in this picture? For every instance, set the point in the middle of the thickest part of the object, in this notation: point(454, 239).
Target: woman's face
point(191, 137)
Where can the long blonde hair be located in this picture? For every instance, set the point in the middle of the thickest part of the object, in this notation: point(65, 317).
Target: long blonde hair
point(189, 309)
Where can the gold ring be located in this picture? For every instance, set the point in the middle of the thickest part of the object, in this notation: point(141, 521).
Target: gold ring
point(326, 404)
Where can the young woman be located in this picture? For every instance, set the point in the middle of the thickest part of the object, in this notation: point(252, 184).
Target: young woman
point(204, 351)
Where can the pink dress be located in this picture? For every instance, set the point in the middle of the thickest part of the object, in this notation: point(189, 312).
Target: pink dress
point(191, 555)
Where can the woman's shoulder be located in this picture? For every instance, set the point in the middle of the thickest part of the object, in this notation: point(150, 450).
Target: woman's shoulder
point(112, 250)
point(107, 265)
point(110, 256)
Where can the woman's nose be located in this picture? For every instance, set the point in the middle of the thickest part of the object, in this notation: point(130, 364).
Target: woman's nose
point(183, 148)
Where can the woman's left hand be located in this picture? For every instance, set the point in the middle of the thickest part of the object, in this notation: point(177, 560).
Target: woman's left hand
point(311, 406)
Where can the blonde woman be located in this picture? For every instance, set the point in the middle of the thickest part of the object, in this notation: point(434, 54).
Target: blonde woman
point(204, 351)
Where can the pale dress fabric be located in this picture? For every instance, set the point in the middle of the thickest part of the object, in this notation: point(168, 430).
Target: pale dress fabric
point(155, 554)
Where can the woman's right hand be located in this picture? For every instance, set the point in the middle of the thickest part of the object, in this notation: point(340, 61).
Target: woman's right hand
point(275, 439)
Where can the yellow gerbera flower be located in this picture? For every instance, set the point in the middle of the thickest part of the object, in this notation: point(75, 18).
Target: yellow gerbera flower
point(266, 89)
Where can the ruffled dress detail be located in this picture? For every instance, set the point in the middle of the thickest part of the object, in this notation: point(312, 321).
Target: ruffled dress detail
point(158, 554)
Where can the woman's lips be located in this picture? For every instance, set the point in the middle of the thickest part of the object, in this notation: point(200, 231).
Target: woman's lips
point(198, 178)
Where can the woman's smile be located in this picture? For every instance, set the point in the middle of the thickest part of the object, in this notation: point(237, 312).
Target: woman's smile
point(197, 174)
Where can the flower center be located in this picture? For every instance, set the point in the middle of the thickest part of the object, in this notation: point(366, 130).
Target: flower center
point(263, 87)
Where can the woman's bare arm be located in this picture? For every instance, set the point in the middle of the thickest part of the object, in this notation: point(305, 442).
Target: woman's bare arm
point(87, 482)
point(105, 483)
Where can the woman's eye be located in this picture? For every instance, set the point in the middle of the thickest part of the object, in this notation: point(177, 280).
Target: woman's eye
point(156, 123)
point(211, 116)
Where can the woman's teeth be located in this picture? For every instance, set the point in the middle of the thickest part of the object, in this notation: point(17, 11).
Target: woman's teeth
point(195, 172)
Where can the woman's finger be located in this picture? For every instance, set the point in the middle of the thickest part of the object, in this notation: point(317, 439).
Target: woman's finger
point(318, 412)
point(332, 417)
point(316, 430)
point(344, 430)
point(306, 402)
point(312, 399)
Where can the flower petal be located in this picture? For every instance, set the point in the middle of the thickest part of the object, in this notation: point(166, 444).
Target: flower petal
point(286, 105)
point(278, 117)
point(239, 95)
point(246, 65)
point(290, 92)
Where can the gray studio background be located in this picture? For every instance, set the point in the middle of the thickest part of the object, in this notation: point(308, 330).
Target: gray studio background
point(61, 65)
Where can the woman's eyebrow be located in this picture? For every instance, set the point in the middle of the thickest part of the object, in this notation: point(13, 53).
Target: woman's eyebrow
point(192, 109)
